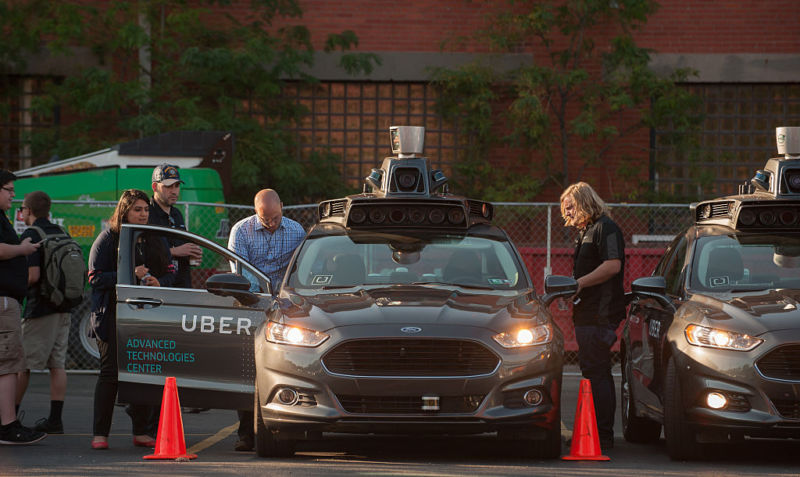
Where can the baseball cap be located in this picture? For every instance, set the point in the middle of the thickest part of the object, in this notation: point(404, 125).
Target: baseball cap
point(166, 174)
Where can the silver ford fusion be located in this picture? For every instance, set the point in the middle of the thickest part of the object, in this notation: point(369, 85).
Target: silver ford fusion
point(406, 311)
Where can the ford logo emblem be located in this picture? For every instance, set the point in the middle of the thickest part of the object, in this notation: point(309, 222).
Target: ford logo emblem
point(410, 329)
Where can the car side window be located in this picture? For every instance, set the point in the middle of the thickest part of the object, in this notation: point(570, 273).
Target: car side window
point(669, 253)
point(210, 263)
point(672, 272)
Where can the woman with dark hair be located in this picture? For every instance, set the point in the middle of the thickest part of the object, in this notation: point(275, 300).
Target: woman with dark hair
point(153, 269)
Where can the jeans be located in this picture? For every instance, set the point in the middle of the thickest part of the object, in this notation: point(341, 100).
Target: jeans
point(105, 396)
point(594, 357)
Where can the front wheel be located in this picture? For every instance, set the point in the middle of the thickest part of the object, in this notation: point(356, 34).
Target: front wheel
point(269, 442)
point(524, 444)
point(681, 439)
point(635, 428)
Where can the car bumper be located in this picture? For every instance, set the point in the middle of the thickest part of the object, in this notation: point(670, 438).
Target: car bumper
point(333, 402)
point(759, 406)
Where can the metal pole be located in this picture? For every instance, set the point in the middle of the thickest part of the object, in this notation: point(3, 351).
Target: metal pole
point(186, 216)
point(547, 269)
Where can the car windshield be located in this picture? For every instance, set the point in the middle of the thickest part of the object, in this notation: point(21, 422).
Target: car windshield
point(334, 261)
point(745, 262)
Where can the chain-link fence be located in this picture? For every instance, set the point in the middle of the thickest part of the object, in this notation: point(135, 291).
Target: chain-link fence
point(536, 229)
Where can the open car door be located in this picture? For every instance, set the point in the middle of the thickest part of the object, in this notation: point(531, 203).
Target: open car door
point(202, 336)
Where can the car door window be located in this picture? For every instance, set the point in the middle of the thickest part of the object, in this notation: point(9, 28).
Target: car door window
point(211, 263)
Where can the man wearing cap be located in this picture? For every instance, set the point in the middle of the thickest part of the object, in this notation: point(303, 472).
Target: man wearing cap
point(166, 188)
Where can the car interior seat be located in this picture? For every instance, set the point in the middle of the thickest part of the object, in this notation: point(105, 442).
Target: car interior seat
point(348, 270)
point(724, 266)
point(463, 264)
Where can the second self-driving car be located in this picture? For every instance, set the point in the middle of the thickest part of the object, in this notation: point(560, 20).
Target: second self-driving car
point(711, 346)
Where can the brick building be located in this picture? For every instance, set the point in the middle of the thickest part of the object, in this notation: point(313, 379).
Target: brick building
point(747, 54)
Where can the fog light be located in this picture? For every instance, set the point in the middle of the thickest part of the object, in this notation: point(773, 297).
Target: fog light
point(287, 396)
point(533, 397)
point(716, 400)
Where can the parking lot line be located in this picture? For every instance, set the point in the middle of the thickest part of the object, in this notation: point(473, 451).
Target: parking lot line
point(210, 441)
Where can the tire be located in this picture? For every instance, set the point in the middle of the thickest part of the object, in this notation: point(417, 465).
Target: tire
point(550, 446)
point(82, 350)
point(681, 439)
point(637, 429)
point(268, 442)
point(522, 443)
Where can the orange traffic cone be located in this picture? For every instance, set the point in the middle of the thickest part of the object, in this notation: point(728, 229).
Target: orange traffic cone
point(169, 441)
point(585, 442)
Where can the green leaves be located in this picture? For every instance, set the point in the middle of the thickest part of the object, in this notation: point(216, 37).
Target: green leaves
point(203, 70)
point(578, 100)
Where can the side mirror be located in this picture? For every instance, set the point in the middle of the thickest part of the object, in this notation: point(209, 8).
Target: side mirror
point(652, 287)
point(558, 286)
point(231, 284)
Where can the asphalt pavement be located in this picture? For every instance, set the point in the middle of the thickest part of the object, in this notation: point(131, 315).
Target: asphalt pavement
point(212, 434)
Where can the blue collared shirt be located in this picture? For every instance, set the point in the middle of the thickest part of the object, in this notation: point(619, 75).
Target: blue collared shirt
point(269, 252)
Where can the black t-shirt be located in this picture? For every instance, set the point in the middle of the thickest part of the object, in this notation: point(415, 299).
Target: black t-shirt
point(604, 303)
point(35, 307)
point(173, 220)
point(14, 271)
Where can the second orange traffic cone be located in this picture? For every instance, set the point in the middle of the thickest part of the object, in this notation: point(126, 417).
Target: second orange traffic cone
point(585, 441)
point(170, 443)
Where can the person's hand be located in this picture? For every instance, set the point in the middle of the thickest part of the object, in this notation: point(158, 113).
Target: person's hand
point(151, 281)
point(196, 252)
point(141, 271)
point(187, 250)
point(27, 247)
point(578, 291)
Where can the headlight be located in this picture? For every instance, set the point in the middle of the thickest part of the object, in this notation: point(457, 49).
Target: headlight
point(293, 335)
point(535, 335)
point(720, 339)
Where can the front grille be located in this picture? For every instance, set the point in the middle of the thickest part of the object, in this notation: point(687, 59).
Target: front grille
point(781, 363)
point(788, 408)
point(407, 404)
point(411, 357)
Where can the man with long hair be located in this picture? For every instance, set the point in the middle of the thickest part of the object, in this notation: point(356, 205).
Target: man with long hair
point(599, 303)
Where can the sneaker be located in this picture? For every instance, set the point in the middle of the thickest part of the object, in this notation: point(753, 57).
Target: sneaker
point(46, 425)
point(244, 444)
point(17, 434)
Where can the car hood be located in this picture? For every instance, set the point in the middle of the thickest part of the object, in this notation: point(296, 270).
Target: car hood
point(410, 306)
point(754, 313)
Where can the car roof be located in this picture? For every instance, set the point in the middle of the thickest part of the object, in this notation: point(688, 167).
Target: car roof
point(481, 230)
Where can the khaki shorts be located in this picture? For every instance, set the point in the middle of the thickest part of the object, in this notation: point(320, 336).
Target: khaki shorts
point(12, 357)
point(45, 340)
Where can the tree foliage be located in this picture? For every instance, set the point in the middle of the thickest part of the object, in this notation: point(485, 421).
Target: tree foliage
point(577, 98)
point(207, 70)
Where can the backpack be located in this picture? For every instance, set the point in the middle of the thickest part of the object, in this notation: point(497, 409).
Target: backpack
point(63, 270)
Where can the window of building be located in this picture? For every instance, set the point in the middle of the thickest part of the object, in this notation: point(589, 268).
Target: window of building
point(352, 119)
point(738, 137)
point(18, 121)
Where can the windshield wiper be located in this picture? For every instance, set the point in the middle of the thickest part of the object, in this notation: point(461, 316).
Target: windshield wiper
point(742, 290)
point(476, 287)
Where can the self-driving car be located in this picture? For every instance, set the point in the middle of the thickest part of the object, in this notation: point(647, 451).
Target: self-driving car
point(404, 311)
point(711, 345)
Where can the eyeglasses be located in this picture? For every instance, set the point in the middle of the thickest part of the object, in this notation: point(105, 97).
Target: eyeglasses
point(10, 190)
